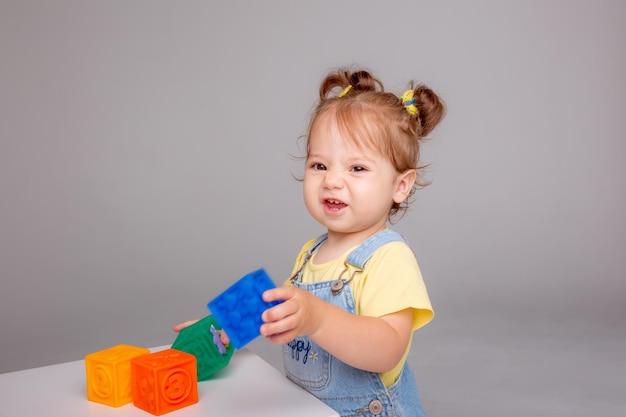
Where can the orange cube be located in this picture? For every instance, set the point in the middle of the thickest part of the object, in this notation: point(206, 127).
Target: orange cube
point(109, 376)
point(164, 381)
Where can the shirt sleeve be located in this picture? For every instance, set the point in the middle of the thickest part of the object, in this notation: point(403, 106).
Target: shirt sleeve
point(392, 282)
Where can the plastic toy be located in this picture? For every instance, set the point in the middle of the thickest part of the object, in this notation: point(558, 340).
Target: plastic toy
point(239, 308)
point(164, 381)
point(206, 340)
point(167, 380)
point(109, 375)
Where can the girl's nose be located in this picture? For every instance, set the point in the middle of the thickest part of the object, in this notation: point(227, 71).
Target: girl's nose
point(333, 179)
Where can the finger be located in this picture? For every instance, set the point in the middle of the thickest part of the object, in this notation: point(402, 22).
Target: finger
point(281, 338)
point(181, 326)
point(279, 312)
point(278, 294)
point(274, 329)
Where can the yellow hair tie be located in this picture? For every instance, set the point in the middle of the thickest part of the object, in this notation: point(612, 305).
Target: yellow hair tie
point(408, 101)
point(345, 91)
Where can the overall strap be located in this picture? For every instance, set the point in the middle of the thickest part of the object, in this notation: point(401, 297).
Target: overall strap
point(359, 256)
point(365, 250)
point(315, 245)
point(318, 242)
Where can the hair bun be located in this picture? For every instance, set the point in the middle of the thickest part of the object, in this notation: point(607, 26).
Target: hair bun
point(348, 82)
point(430, 107)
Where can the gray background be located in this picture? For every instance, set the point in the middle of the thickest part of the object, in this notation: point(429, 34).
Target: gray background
point(145, 166)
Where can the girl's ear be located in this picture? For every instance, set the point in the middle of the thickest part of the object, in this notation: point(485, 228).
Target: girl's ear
point(403, 185)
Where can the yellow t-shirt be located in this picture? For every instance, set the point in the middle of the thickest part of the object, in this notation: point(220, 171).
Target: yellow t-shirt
point(390, 282)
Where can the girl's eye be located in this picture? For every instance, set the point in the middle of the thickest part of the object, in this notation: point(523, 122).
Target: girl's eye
point(359, 168)
point(318, 167)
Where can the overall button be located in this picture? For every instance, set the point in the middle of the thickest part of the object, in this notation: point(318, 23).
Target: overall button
point(375, 407)
point(336, 286)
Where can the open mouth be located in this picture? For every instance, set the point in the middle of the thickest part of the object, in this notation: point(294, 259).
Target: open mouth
point(334, 205)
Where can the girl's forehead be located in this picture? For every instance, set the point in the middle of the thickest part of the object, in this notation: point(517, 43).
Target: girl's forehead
point(326, 131)
point(325, 123)
point(328, 144)
point(327, 140)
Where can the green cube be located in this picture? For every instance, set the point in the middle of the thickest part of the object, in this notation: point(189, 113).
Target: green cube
point(204, 340)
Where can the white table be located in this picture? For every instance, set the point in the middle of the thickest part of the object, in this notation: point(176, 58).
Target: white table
point(249, 386)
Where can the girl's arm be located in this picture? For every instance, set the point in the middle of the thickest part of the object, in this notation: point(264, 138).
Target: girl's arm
point(374, 344)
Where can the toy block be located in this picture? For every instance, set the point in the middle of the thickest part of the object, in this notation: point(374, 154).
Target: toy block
point(164, 381)
point(239, 308)
point(109, 375)
point(206, 340)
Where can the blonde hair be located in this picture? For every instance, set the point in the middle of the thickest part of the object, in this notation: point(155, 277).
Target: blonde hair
point(369, 116)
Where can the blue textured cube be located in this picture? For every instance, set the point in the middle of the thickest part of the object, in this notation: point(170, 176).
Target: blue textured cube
point(238, 309)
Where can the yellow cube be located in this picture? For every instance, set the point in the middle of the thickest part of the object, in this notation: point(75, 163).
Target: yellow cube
point(108, 374)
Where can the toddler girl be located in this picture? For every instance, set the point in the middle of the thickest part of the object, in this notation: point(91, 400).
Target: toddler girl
point(356, 295)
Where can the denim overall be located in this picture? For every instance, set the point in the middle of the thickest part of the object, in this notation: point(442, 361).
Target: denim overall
point(349, 391)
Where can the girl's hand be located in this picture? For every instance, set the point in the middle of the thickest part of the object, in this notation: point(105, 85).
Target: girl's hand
point(375, 344)
point(300, 314)
point(181, 326)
